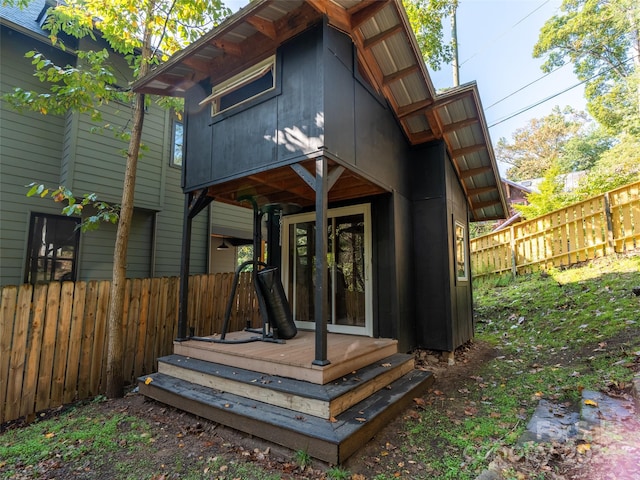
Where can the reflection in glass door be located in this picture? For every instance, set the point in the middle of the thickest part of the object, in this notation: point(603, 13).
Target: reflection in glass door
point(348, 246)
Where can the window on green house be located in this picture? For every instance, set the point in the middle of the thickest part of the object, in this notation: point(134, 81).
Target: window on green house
point(177, 143)
point(52, 251)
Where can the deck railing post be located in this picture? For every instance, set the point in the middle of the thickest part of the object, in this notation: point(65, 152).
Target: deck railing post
point(321, 307)
point(184, 271)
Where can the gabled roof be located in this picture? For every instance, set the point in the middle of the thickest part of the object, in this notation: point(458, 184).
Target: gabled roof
point(387, 50)
point(28, 20)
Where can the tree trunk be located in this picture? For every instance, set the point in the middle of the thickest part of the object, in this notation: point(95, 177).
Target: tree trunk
point(115, 373)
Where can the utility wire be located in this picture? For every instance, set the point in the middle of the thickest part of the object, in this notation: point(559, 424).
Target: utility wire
point(494, 40)
point(509, 117)
point(526, 86)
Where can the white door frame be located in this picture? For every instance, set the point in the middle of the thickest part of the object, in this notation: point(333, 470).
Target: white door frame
point(365, 210)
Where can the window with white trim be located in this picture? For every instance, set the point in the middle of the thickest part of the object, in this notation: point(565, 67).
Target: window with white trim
point(462, 268)
point(249, 84)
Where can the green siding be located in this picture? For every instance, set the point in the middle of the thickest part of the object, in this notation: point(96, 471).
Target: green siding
point(67, 150)
point(30, 150)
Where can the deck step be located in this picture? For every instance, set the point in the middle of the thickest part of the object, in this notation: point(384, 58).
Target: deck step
point(295, 358)
point(324, 401)
point(329, 440)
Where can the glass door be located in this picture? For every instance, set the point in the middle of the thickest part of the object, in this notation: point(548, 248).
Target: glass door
point(348, 253)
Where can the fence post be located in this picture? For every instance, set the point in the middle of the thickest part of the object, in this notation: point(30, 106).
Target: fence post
point(608, 216)
point(514, 258)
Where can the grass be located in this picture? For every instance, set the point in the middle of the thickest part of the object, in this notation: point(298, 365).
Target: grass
point(556, 333)
point(68, 439)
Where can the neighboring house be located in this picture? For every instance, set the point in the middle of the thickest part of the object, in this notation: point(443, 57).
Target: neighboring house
point(37, 243)
point(328, 106)
point(570, 181)
point(516, 194)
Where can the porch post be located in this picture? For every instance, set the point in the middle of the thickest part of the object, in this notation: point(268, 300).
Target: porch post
point(321, 304)
point(184, 270)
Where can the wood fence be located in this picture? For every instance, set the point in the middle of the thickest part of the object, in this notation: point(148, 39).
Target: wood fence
point(53, 336)
point(593, 228)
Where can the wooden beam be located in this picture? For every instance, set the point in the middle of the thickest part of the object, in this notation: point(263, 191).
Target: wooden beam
point(197, 65)
point(480, 191)
point(472, 172)
point(228, 47)
point(422, 137)
point(266, 27)
point(337, 15)
point(363, 11)
point(458, 125)
point(412, 108)
point(305, 175)
point(400, 74)
point(334, 175)
point(370, 42)
point(488, 203)
point(467, 150)
point(434, 121)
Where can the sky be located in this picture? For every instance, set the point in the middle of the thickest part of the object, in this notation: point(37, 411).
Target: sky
point(496, 39)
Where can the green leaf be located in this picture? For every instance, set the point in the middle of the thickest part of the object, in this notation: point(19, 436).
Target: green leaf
point(33, 190)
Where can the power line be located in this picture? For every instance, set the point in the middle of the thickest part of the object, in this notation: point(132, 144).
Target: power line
point(509, 117)
point(526, 86)
point(494, 40)
point(536, 104)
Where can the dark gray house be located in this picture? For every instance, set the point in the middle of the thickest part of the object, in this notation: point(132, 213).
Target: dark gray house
point(36, 242)
point(319, 115)
point(328, 106)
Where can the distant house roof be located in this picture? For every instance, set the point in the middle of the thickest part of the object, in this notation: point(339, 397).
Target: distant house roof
point(389, 54)
point(517, 185)
point(570, 181)
point(27, 20)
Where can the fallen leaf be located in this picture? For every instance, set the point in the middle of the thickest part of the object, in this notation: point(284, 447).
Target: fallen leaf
point(361, 419)
point(332, 419)
point(591, 403)
point(419, 401)
point(148, 380)
point(438, 392)
point(386, 364)
point(583, 447)
point(50, 435)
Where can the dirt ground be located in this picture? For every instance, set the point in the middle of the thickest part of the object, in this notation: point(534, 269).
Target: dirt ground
point(180, 438)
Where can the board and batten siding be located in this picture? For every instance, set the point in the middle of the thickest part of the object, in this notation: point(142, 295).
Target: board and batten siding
point(30, 150)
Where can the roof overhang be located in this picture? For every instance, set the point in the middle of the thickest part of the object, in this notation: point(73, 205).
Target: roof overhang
point(387, 50)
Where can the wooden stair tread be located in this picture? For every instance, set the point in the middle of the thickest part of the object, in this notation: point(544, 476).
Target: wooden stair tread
point(302, 388)
point(327, 440)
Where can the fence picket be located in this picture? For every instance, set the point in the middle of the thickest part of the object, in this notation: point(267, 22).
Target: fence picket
point(152, 326)
point(47, 354)
point(88, 331)
point(143, 314)
point(18, 352)
point(9, 302)
point(75, 343)
point(592, 228)
point(62, 344)
point(98, 360)
point(34, 347)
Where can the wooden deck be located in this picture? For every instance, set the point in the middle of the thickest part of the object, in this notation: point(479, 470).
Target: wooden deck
point(273, 391)
point(294, 358)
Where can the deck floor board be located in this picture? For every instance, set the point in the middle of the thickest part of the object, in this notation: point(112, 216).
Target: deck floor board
point(293, 359)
